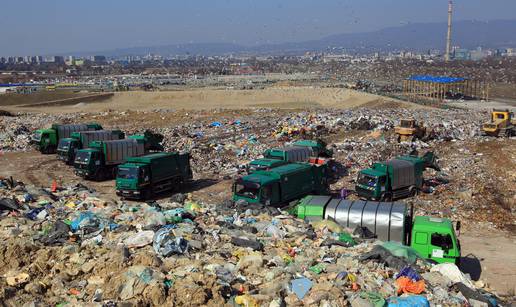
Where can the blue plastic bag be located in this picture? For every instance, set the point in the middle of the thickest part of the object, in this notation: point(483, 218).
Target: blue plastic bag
point(410, 273)
point(408, 301)
point(166, 244)
point(85, 219)
point(32, 214)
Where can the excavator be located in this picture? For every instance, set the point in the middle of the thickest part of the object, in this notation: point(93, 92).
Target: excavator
point(502, 124)
point(409, 130)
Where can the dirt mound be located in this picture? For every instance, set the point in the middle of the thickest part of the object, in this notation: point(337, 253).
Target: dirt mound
point(207, 99)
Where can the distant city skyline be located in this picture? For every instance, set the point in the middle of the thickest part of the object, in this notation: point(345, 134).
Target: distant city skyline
point(56, 27)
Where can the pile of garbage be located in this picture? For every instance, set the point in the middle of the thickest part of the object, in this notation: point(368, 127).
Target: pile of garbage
point(16, 129)
point(69, 246)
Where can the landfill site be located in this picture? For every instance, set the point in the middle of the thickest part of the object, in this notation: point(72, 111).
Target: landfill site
point(281, 196)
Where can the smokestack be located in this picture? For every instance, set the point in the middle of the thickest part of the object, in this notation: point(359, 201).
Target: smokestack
point(448, 38)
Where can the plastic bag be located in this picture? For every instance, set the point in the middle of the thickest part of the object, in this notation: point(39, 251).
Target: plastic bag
point(407, 285)
point(346, 238)
point(165, 243)
point(408, 301)
point(140, 239)
point(410, 273)
point(400, 250)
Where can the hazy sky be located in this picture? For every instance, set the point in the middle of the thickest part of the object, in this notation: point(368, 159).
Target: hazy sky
point(31, 27)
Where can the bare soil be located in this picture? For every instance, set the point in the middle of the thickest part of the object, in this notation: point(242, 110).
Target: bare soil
point(203, 99)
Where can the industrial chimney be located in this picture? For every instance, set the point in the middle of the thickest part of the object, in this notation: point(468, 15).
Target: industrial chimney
point(448, 37)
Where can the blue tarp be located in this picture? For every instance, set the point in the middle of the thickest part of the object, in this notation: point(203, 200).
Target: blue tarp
point(434, 79)
point(16, 84)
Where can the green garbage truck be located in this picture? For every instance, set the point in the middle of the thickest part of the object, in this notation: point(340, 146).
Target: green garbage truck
point(100, 160)
point(67, 147)
point(319, 147)
point(433, 238)
point(275, 157)
point(283, 184)
point(299, 151)
point(144, 176)
point(397, 178)
point(46, 140)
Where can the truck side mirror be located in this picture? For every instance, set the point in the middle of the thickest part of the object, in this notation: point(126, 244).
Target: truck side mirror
point(457, 226)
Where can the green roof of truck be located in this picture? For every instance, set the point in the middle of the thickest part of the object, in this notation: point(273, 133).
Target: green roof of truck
point(308, 143)
point(372, 172)
point(432, 224)
point(267, 162)
point(150, 157)
point(261, 178)
point(288, 168)
point(87, 150)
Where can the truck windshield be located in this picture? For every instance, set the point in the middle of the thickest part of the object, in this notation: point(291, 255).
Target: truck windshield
point(274, 155)
point(406, 124)
point(367, 180)
point(82, 157)
point(64, 144)
point(255, 167)
point(127, 173)
point(37, 136)
point(249, 191)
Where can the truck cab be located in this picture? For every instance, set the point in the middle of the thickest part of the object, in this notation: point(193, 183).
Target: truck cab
point(44, 140)
point(435, 239)
point(133, 177)
point(257, 189)
point(88, 162)
point(67, 148)
point(372, 183)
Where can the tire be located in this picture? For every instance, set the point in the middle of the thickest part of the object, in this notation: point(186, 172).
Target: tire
point(147, 194)
point(457, 262)
point(413, 191)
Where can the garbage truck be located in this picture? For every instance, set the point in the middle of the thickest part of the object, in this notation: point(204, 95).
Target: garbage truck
point(275, 157)
point(283, 184)
point(142, 177)
point(433, 238)
point(100, 160)
point(397, 178)
point(46, 140)
point(319, 147)
point(68, 147)
point(299, 151)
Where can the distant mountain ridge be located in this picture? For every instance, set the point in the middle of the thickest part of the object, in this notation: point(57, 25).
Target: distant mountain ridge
point(412, 36)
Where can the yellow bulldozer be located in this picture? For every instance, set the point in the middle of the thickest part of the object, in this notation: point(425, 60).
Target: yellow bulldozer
point(502, 124)
point(409, 130)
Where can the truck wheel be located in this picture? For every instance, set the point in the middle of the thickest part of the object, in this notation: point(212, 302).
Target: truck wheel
point(147, 194)
point(457, 262)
